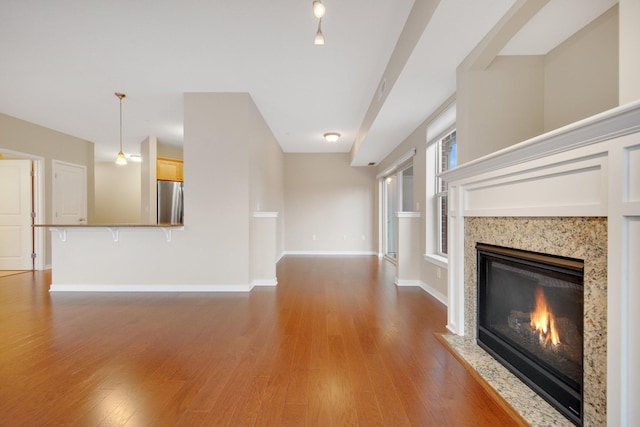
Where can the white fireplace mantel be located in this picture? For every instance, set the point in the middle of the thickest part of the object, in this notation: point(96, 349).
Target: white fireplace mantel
point(590, 168)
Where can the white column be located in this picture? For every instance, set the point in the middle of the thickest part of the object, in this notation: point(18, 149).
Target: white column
point(263, 249)
point(455, 288)
point(623, 292)
point(408, 261)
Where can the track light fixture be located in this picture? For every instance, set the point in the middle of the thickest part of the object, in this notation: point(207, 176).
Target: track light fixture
point(318, 12)
point(318, 40)
point(318, 9)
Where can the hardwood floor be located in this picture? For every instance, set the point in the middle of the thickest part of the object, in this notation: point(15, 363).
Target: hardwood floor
point(335, 344)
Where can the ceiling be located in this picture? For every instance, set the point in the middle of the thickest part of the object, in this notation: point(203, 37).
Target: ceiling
point(62, 62)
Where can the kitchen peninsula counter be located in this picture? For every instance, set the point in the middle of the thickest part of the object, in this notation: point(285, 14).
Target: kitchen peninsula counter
point(62, 229)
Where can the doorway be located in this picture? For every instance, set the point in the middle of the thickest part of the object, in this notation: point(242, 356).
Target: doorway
point(397, 196)
point(391, 218)
point(22, 247)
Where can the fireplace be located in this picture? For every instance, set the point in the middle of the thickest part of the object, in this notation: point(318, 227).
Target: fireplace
point(530, 318)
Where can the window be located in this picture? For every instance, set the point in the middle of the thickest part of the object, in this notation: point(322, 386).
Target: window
point(440, 156)
point(406, 189)
point(445, 160)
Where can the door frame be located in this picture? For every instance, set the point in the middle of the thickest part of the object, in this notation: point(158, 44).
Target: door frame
point(39, 207)
point(391, 187)
point(54, 196)
point(402, 163)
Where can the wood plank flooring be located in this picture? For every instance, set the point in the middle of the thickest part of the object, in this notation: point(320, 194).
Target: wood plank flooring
point(4, 273)
point(335, 344)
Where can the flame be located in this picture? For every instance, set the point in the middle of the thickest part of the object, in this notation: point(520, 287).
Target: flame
point(543, 320)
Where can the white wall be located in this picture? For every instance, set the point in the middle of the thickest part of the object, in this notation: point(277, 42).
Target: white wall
point(117, 193)
point(328, 199)
point(419, 16)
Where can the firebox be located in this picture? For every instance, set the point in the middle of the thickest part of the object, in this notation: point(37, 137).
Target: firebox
point(530, 318)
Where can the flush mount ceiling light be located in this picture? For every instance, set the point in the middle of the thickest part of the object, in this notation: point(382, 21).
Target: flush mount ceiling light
point(332, 137)
point(121, 159)
point(137, 158)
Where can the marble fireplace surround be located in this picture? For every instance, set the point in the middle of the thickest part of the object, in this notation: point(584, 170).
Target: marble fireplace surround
point(573, 192)
point(583, 238)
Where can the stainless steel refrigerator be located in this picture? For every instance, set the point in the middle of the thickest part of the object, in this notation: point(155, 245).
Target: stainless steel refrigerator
point(170, 202)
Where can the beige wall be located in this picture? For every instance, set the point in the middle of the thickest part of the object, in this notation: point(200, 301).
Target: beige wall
point(266, 191)
point(170, 152)
point(515, 98)
point(232, 164)
point(216, 206)
point(581, 74)
point(429, 272)
point(148, 181)
point(327, 198)
point(117, 193)
point(213, 249)
point(500, 105)
point(21, 136)
point(629, 51)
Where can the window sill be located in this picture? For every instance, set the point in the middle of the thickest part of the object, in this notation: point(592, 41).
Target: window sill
point(439, 260)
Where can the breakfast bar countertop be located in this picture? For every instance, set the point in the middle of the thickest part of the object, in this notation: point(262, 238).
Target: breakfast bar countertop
point(161, 225)
point(62, 229)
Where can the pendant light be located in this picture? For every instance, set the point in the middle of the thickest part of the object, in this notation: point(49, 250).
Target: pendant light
point(121, 159)
point(319, 38)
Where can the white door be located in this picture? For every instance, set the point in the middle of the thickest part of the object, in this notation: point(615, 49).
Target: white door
point(16, 236)
point(69, 193)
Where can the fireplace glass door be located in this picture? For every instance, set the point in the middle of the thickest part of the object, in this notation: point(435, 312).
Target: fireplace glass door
point(530, 317)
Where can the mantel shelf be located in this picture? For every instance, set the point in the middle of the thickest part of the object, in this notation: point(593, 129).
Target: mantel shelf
point(614, 123)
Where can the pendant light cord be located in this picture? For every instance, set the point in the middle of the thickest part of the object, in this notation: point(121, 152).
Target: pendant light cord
point(121, 159)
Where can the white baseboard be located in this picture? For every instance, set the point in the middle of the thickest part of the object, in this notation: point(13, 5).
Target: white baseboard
point(265, 282)
point(150, 288)
point(435, 293)
point(428, 289)
point(330, 253)
point(401, 282)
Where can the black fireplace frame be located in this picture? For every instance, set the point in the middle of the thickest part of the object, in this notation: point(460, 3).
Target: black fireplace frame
point(565, 397)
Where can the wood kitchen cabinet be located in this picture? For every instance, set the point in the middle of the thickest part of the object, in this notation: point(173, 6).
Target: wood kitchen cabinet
point(169, 169)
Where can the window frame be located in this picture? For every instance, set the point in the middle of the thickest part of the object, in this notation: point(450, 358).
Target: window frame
point(442, 191)
point(433, 210)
